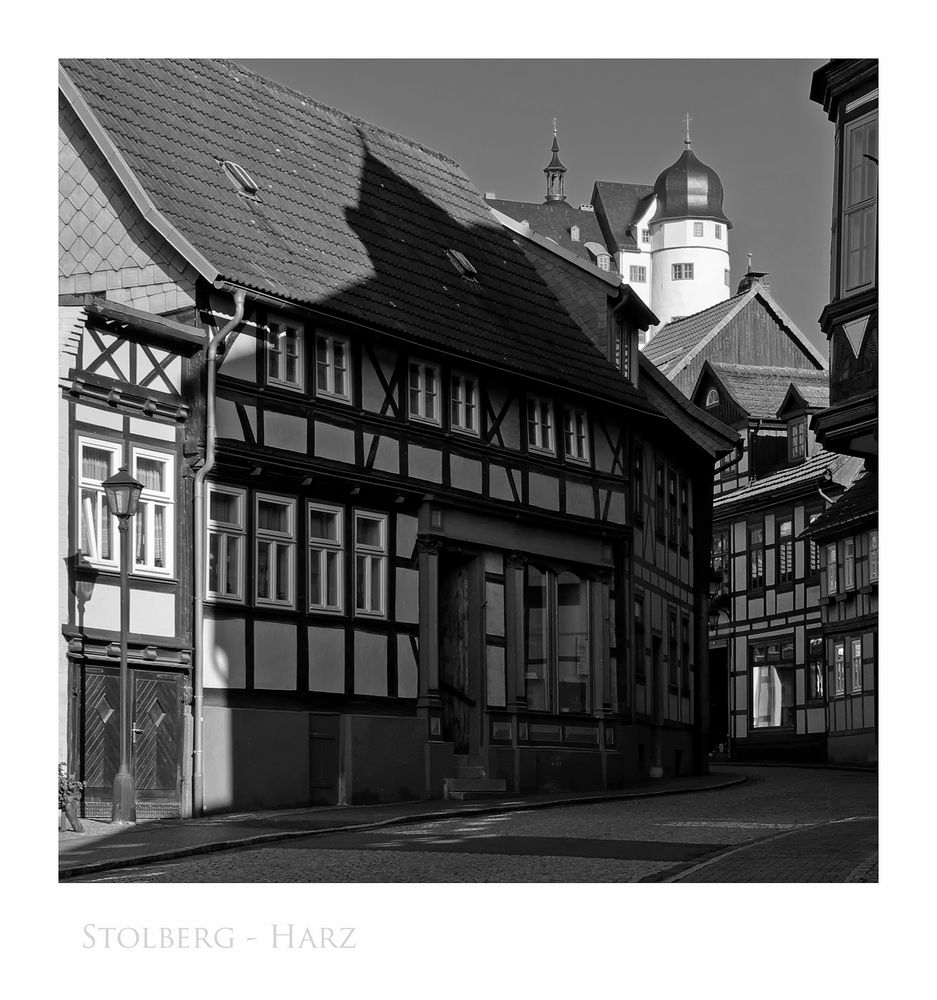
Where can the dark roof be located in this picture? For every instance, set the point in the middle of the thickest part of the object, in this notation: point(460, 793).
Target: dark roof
point(619, 207)
point(553, 219)
point(814, 471)
point(858, 504)
point(350, 219)
point(688, 189)
point(761, 389)
point(810, 394)
point(672, 342)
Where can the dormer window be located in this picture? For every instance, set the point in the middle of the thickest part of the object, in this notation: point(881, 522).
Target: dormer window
point(797, 439)
point(602, 261)
point(712, 398)
point(241, 179)
point(574, 233)
point(645, 236)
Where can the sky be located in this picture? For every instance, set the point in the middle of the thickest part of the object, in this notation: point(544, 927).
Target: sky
point(619, 120)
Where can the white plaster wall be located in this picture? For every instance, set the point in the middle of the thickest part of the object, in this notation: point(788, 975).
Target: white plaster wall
point(223, 650)
point(674, 243)
point(274, 656)
point(326, 659)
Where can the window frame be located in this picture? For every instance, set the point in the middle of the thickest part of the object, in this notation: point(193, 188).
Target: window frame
point(576, 435)
point(329, 391)
point(717, 230)
point(540, 405)
point(797, 439)
point(321, 548)
point(673, 662)
point(422, 393)
point(279, 380)
point(698, 230)
point(271, 537)
point(849, 563)
point(712, 397)
point(464, 382)
point(816, 667)
point(660, 497)
point(756, 581)
point(146, 509)
point(371, 553)
point(789, 664)
point(858, 208)
point(645, 235)
point(227, 530)
point(684, 518)
point(855, 665)
point(637, 274)
point(100, 504)
point(813, 562)
point(784, 578)
point(682, 271)
point(832, 570)
point(839, 668)
point(637, 468)
point(873, 555)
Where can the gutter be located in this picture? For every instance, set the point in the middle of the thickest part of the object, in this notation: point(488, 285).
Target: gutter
point(199, 560)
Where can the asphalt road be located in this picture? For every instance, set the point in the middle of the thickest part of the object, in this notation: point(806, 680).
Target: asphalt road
point(782, 825)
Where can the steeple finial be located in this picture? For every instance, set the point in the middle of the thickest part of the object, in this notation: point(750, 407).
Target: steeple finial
point(554, 126)
point(749, 261)
point(686, 141)
point(555, 172)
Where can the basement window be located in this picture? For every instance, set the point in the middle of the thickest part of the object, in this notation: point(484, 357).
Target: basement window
point(241, 179)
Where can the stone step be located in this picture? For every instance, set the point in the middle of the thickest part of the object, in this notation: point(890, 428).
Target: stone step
point(470, 771)
point(473, 788)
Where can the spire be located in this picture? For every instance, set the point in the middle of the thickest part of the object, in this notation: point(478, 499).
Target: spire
point(686, 141)
point(555, 172)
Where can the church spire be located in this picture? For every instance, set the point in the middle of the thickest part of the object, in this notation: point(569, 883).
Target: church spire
point(686, 141)
point(555, 173)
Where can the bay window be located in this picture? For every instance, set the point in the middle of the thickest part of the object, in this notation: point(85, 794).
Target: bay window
point(332, 367)
point(283, 351)
point(370, 563)
point(325, 557)
point(772, 673)
point(463, 404)
point(226, 545)
point(424, 392)
point(558, 661)
point(860, 190)
point(539, 424)
point(275, 542)
point(153, 523)
point(97, 535)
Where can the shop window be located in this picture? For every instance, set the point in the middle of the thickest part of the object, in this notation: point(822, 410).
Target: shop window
point(332, 379)
point(325, 557)
point(97, 461)
point(772, 674)
point(370, 563)
point(785, 550)
point(275, 543)
point(424, 392)
point(226, 543)
point(558, 662)
point(283, 348)
point(153, 523)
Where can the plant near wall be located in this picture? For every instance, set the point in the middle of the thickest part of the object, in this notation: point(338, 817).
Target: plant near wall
point(70, 789)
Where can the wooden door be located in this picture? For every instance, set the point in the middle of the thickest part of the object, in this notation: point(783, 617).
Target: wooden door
point(100, 739)
point(157, 743)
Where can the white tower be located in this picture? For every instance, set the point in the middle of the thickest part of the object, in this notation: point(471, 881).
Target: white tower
point(689, 240)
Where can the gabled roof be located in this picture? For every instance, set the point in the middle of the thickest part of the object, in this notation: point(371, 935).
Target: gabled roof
point(677, 343)
point(554, 219)
point(761, 390)
point(349, 219)
point(859, 504)
point(821, 467)
point(812, 393)
point(619, 207)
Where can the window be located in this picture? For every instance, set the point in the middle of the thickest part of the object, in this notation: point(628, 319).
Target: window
point(839, 668)
point(672, 512)
point(284, 354)
point(602, 261)
point(424, 392)
point(685, 653)
point(684, 514)
point(637, 275)
point(673, 664)
point(797, 439)
point(873, 555)
point(539, 424)
point(720, 560)
point(645, 236)
point(275, 538)
point(681, 272)
point(574, 233)
point(756, 556)
point(832, 576)
point(849, 564)
point(772, 671)
point(726, 278)
point(325, 557)
point(576, 434)
point(639, 637)
point(815, 668)
point(697, 228)
point(153, 527)
point(617, 344)
point(860, 184)
point(717, 228)
point(370, 563)
point(226, 531)
point(97, 461)
point(463, 404)
point(785, 550)
point(856, 679)
point(712, 397)
point(659, 503)
point(558, 662)
point(813, 550)
point(638, 482)
point(332, 367)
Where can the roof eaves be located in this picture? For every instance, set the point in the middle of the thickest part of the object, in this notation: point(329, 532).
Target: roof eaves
point(130, 182)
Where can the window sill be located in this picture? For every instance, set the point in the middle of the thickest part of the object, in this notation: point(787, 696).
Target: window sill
point(286, 386)
point(426, 421)
point(327, 397)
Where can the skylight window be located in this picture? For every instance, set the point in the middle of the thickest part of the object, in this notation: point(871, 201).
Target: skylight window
point(462, 264)
point(240, 177)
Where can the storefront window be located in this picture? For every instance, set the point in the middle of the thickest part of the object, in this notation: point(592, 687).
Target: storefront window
point(772, 673)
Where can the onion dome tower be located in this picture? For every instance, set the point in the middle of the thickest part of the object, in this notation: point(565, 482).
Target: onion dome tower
point(689, 239)
point(555, 173)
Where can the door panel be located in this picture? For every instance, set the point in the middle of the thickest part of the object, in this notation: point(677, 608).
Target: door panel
point(157, 743)
point(100, 751)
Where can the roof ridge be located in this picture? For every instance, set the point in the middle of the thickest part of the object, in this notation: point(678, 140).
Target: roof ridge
point(785, 369)
point(689, 316)
point(344, 115)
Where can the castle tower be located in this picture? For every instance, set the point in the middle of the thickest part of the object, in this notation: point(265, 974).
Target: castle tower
point(689, 239)
point(556, 173)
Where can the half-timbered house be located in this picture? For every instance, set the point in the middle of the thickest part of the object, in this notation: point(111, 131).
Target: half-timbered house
point(397, 499)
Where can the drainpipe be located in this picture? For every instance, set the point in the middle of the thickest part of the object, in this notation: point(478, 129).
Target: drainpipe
point(198, 677)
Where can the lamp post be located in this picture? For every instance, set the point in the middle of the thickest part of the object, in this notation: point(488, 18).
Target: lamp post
point(122, 493)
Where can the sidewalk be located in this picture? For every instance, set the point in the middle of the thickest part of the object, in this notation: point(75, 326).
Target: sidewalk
point(103, 846)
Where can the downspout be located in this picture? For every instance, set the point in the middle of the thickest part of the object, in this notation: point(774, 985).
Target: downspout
point(198, 673)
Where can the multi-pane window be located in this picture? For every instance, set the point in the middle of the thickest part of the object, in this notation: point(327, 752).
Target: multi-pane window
point(370, 563)
point(832, 573)
point(539, 424)
point(645, 236)
point(684, 514)
point(576, 434)
point(617, 343)
point(284, 354)
point(325, 557)
point(558, 661)
point(720, 561)
point(226, 544)
point(839, 668)
point(424, 392)
point(873, 555)
point(697, 228)
point(673, 664)
point(849, 563)
point(639, 637)
point(772, 673)
point(681, 272)
point(797, 438)
point(856, 680)
point(332, 367)
point(603, 261)
point(813, 549)
point(785, 550)
point(718, 231)
point(672, 510)
point(637, 274)
point(815, 668)
point(97, 461)
point(860, 189)
point(659, 496)
point(153, 524)
point(275, 542)
point(756, 556)
point(463, 403)
point(685, 652)
point(638, 481)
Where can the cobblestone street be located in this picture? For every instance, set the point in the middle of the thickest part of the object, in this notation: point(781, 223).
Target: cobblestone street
point(783, 824)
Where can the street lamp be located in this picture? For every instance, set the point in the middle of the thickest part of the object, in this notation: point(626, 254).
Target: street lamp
point(122, 493)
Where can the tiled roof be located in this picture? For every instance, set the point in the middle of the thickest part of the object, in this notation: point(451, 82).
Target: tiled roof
point(672, 342)
point(760, 389)
point(822, 466)
point(350, 218)
point(858, 504)
point(554, 219)
point(621, 205)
